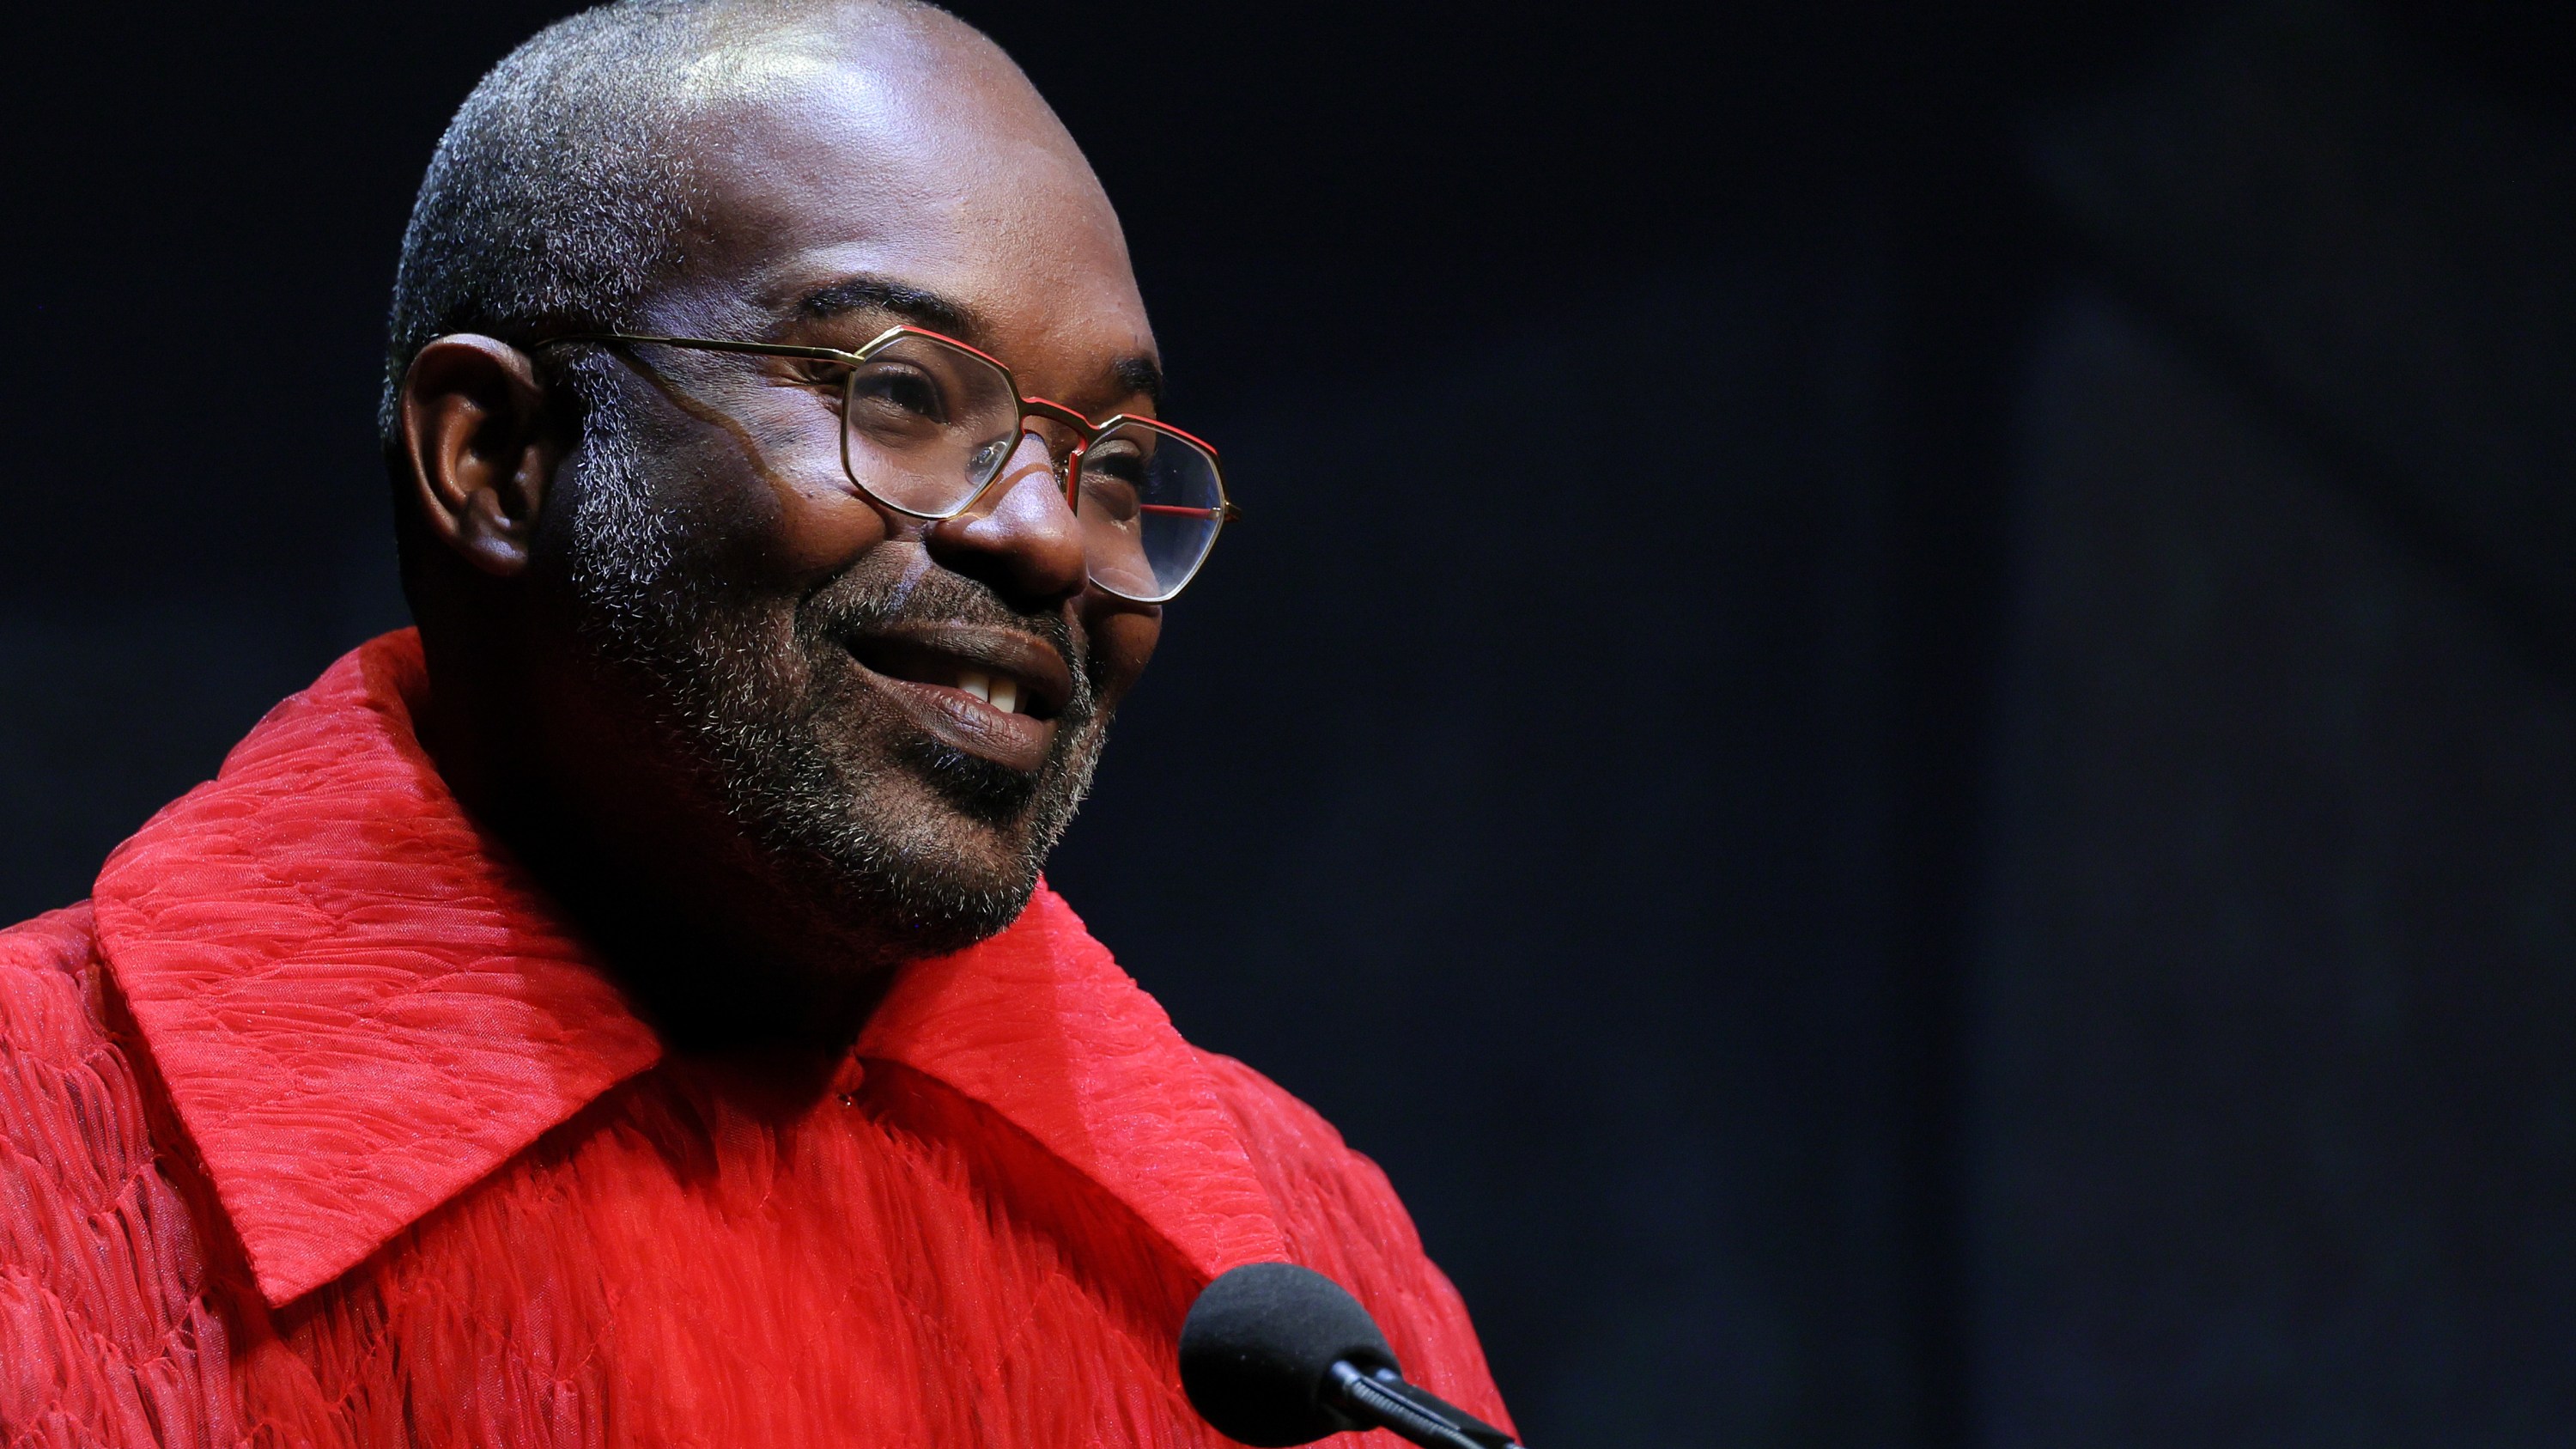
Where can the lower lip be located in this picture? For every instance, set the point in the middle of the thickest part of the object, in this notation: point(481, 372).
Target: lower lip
point(954, 717)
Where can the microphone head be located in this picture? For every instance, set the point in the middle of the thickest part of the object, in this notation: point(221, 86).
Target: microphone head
point(1258, 1348)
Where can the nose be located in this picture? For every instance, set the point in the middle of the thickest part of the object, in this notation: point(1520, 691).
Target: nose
point(1020, 538)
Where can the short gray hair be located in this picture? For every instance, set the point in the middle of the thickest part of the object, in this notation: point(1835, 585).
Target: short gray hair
point(555, 196)
point(558, 194)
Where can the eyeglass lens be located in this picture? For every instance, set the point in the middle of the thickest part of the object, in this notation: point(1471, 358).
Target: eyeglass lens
point(927, 426)
point(1150, 507)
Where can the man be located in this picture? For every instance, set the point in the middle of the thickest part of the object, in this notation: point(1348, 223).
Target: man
point(626, 1011)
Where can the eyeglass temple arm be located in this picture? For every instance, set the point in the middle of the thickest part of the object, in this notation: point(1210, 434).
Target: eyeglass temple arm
point(708, 344)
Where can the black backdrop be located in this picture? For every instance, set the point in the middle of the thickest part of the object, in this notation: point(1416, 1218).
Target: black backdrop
point(1897, 718)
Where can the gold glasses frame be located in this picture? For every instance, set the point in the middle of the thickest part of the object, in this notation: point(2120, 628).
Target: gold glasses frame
point(1086, 432)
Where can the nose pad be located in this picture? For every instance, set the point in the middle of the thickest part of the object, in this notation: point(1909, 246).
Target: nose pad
point(1021, 537)
point(1046, 455)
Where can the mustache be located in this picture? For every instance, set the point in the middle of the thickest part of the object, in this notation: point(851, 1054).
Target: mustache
point(860, 601)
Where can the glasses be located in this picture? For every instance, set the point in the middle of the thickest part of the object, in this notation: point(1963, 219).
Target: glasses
point(928, 424)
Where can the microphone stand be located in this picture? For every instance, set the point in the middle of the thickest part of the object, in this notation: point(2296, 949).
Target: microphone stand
point(1384, 1400)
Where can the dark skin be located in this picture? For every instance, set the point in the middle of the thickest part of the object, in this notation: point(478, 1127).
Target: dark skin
point(857, 176)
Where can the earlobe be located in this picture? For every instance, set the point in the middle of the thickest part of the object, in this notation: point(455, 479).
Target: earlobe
point(481, 446)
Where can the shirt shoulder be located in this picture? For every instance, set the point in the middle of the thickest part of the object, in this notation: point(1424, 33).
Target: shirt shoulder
point(105, 1335)
point(48, 977)
point(1341, 1217)
point(58, 945)
point(1310, 1172)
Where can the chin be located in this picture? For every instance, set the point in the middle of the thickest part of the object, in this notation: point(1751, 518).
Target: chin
point(943, 846)
point(915, 864)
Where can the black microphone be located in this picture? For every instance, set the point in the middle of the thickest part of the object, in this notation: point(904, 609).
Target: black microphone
point(1273, 1355)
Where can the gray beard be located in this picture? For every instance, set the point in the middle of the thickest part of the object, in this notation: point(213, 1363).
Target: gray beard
point(734, 698)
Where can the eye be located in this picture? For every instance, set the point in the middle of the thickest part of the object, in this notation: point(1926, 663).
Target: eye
point(1112, 487)
point(1116, 458)
point(896, 393)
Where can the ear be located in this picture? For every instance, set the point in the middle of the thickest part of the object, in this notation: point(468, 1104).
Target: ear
point(482, 447)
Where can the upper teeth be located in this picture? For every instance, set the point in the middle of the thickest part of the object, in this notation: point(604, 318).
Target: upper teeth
point(1002, 692)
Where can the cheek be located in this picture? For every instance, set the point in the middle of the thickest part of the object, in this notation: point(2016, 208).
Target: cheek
point(818, 529)
point(774, 492)
point(1122, 639)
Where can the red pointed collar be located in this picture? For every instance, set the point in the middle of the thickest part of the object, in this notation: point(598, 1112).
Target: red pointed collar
point(360, 1007)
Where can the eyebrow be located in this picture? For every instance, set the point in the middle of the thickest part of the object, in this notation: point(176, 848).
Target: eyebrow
point(839, 298)
point(1138, 373)
point(1141, 374)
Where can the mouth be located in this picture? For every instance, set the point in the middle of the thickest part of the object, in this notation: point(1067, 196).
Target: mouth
point(993, 693)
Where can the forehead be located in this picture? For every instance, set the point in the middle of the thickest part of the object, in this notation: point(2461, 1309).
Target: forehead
point(910, 151)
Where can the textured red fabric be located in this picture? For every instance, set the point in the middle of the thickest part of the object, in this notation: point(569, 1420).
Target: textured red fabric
point(323, 1130)
point(1041, 1025)
point(358, 1004)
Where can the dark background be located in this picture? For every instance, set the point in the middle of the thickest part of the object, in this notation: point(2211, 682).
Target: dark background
point(1897, 717)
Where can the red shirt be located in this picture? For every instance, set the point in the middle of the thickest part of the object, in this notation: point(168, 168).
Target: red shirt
point(325, 1128)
